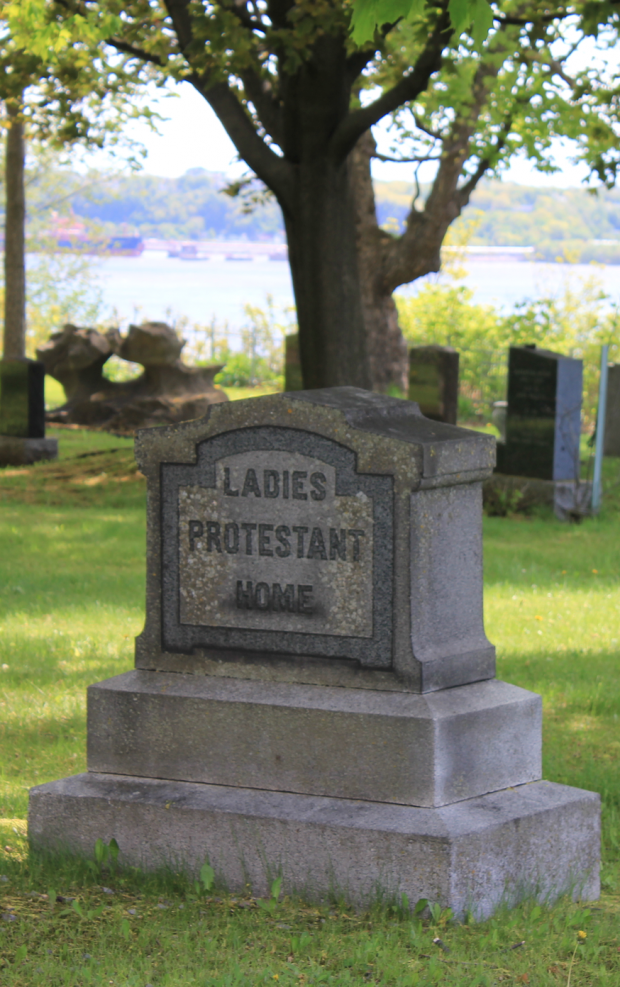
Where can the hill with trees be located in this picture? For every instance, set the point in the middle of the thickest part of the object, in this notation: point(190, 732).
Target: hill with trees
point(574, 225)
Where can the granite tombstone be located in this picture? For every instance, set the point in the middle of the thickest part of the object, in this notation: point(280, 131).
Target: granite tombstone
point(543, 420)
point(22, 413)
point(314, 693)
point(293, 379)
point(612, 416)
point(434, 381)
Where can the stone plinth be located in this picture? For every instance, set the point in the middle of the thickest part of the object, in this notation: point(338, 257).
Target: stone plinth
point(538, 840)
point(400, 747)
point(16, 451)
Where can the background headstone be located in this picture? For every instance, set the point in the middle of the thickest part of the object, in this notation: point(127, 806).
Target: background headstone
point(434, 381)
point(22, 414)
point(543, 420)
point(612, 417)
point(293, 380)
point(22, 398)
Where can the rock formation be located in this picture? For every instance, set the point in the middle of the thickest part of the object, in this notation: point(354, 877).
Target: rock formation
point(168, 391)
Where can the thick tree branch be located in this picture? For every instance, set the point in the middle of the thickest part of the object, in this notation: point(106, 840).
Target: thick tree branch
point(181, 21)
point(416, 160)
point(268, 108)
point(409, 88)
point(128, 49)
point(274, 171)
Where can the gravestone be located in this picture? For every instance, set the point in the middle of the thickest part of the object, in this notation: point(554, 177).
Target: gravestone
point(434, 381)
point(22, 413)
point(612, 417)
point(314, 693)
point(543, 420)
point(293, 379)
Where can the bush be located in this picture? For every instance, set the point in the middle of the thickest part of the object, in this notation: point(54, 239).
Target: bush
point(576, 322)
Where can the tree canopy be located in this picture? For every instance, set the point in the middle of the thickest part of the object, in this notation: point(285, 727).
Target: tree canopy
point(467, 83)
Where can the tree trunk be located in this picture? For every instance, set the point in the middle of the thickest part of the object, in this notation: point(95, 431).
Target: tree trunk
point(387, 349)
point(14, 242)
point(324, 267)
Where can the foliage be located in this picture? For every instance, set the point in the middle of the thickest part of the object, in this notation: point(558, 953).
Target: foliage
point(261, 358)
point(237, 59)
point(576, 225)
point(71, 601)
point(576, 322)
point(189, 207)
point(60, 288)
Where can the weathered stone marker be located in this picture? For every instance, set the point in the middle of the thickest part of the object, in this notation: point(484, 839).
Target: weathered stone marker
point(22, 413)
point(543, 421)
point(314, 693)
point(293, 380)
point(612, 417)
point(434, 381)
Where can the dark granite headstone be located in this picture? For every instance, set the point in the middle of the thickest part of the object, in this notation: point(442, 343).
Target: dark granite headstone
point(612, 417)
point(293, 379)
point(434, 381)
point(543, 421)
point(22, 398)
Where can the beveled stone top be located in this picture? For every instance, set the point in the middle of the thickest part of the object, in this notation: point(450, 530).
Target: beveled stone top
point(311, 527)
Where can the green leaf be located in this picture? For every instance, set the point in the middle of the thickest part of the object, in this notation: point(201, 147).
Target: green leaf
point(114, 850)
point(125, 929)
point(420, 905)
point(77, 908)
point(460, 15)
point(275, 888)
point(21, 953)
point(95, 912)
point(207, 876)
point(101, 852)
point(368, 15)
point(482, 20)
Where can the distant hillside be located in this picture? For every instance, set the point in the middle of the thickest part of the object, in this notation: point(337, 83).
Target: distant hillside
point(561, 224)
point(192, 207)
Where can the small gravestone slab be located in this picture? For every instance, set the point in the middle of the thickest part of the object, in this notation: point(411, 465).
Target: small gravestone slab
point(612, 416)
point(543, 420)
point(293, 378)
point(434, 381)
point(22, 413)
point(22, 398)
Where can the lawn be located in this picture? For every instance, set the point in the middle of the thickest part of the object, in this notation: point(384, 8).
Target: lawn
point(71, 602)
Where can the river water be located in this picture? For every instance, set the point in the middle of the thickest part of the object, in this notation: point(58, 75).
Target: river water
point(155, 286)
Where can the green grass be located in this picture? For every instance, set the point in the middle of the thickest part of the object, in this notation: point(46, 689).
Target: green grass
point(71, 602)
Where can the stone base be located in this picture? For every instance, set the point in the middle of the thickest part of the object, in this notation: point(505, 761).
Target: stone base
point(538, 840)
point(568, 498)
point(423, 750)
point(17, 451)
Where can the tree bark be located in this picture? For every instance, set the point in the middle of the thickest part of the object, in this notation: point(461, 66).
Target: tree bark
point(387, 350)
point(310, 120)
point(324, 268)
point(14, 238)
point(387, 261)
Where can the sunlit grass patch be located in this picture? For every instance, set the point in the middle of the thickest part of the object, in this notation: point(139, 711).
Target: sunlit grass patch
point(71, 602)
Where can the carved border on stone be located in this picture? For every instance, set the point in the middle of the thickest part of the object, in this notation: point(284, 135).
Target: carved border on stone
point(373, 652)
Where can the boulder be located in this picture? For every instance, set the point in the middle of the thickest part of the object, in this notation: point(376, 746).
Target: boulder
point(167, 392)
